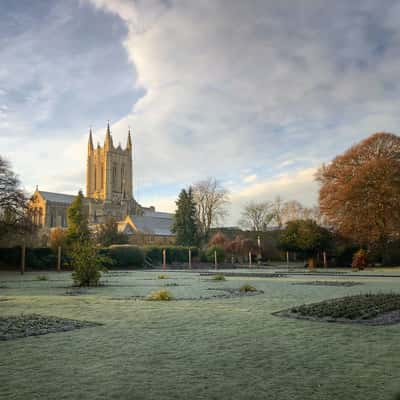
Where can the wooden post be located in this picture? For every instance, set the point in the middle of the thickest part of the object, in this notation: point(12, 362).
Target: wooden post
point(190, 258)
point(215, 259)
point(325, 260)
point(250, 259)
point(59, 259)
point(287, 258)
point(23, 254)
point(164, 256)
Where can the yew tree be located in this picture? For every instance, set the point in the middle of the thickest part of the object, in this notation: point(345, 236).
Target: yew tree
point(360, 192)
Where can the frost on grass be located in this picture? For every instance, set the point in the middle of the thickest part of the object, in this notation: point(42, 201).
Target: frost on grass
point(371, 309)
point(15, 327)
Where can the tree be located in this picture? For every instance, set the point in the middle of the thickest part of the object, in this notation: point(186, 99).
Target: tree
point(78, 229)
point(107, 234)
point(257, 216)
point(211, 200)
point(360, 192)
point(88, 263)
point(14, 218)
point(219, 239)
point(304, 236)
point(185, 222)
point(277, 207)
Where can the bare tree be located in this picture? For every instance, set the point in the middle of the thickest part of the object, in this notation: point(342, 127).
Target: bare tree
point(257, 216)
point(211, 200)
point(277, 211)
point(13, 204)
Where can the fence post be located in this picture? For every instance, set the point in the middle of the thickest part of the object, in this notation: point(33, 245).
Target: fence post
point(250, 259)
point(190, 258)
point(59, 259)
point(325, 260)
point(23, 253)
point(215, 259)
point(287, 258)
point(164, 254)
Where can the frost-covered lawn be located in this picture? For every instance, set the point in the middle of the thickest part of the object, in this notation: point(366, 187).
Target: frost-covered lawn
point(201, 348)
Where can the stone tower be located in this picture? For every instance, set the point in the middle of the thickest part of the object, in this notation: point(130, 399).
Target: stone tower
point(109, 170)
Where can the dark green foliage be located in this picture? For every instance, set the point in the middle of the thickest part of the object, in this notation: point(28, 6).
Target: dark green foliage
point(220, 254)
point(108, 234)
point(88, 264)
point(304, 236)
point(175, 254)
point(185, 225)
point(362, 306)
point(124, 256)
point(41, 258)
point(78, 229)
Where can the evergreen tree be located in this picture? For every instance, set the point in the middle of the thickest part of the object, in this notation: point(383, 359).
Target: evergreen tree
point(78, 229)
point(185, 225)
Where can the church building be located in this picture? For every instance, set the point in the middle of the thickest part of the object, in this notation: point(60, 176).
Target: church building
point(109, 194)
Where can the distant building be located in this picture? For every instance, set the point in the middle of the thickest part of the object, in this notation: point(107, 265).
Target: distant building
point(109, 194)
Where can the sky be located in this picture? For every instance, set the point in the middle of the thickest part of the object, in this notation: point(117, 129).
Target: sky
point(257, 94)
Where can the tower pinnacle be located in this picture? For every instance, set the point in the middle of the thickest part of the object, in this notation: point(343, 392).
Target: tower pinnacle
point(129, 141)
point(90, 142)
point(108, 143)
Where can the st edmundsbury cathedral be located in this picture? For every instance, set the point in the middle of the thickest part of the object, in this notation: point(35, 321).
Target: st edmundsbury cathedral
point(109, 194)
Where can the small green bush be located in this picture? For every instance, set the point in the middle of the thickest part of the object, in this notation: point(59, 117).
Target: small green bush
point(220, 254)
point(171, 284)
point(42, 278)
point(162, 277)
point(88, 264)
point(218, 277)
point(247, 288)
point(160, 295)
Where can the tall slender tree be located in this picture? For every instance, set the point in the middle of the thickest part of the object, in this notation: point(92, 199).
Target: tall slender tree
point(78, 229)
point(185, 222)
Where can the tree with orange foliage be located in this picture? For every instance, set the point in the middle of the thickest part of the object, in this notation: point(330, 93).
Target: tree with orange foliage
point(360, 192)
point(219, 239)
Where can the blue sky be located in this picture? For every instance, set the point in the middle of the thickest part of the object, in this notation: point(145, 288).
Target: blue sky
point(256, 93)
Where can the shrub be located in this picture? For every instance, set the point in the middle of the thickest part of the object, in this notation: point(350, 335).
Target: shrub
point(42, 278)
point(162, 277)
point(247, 288)
point(124, 256)
point(218, 277)
point(359, 260)
point(160, 295)
point(220, 254)
point(88, 264)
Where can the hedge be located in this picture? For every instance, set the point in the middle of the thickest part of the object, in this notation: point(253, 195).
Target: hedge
point(124, 256)
point(174, 254)
point(36, 258)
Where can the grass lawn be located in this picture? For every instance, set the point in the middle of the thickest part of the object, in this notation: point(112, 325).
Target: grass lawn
point(201, 347)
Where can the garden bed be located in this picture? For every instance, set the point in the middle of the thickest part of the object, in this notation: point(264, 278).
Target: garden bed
point(368, 309)
point(329, 283)
point(15, 327)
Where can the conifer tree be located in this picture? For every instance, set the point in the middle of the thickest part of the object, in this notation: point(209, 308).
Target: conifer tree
point(185, 225)
point(78, 229)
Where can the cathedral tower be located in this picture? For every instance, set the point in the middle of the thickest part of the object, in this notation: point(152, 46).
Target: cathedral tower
point(109, 170)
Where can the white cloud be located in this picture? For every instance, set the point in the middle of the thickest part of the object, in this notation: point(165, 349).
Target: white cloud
point(239, 90)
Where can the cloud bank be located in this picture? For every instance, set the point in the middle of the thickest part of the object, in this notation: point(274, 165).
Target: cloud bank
point(255, 93)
